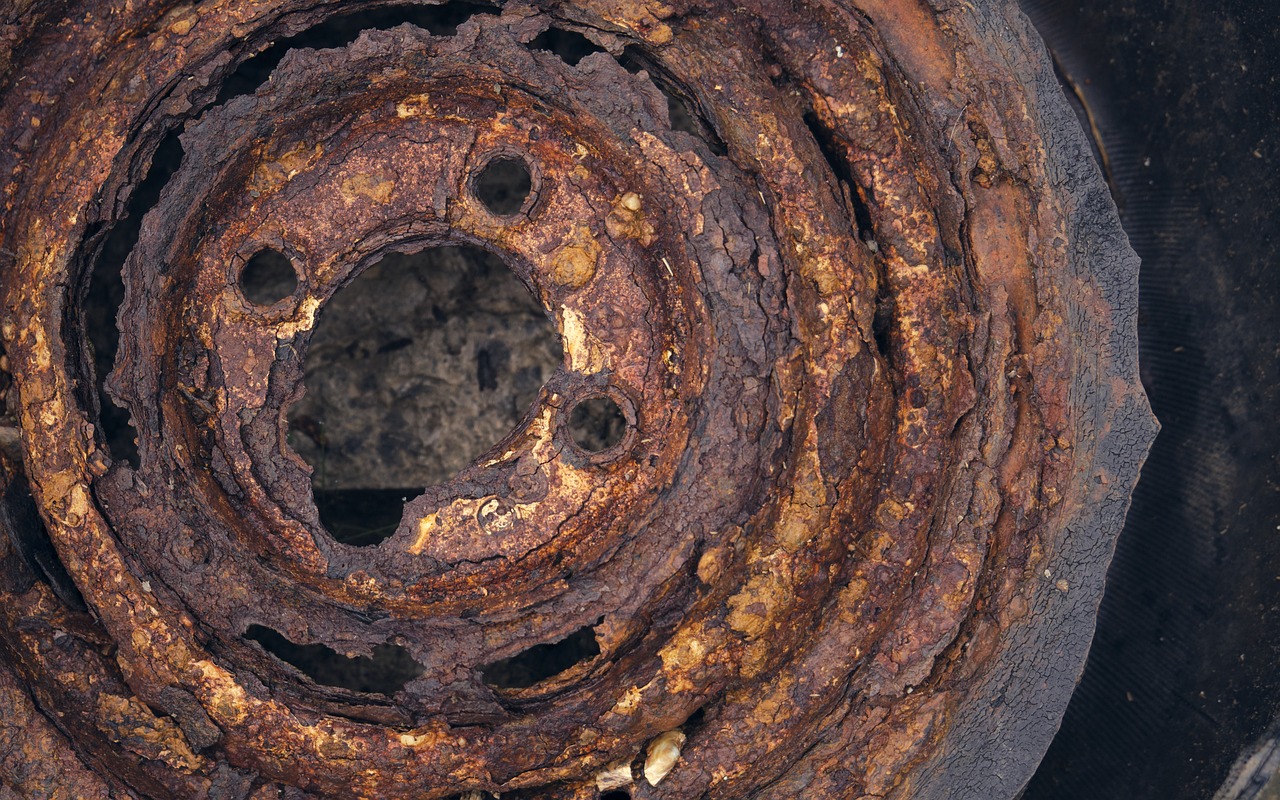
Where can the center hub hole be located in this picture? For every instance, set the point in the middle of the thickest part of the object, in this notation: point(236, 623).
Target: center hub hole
point(415, 369)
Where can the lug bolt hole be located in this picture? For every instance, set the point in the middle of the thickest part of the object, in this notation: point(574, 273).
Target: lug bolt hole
point(267, 278)
point(503, 186)
point(597, 424)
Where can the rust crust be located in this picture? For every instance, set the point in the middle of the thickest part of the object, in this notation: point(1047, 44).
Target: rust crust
point(869, 319)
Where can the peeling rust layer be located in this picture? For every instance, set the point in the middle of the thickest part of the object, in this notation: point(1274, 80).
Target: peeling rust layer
point(872, 334)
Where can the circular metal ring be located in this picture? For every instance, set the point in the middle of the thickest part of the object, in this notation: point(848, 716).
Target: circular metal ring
point(869, 317)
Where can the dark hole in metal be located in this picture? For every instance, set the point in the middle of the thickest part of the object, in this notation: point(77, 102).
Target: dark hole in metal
point(571, 46)
point(415, 368)
point(881, 325)
point(597, 424)
point(542, 661)
point(503, 186)
point(695, 720)
point(681, 109)
point(339, 31)
point(20, 519)
point(852, 191)
point(268, 277)
point(616, 794)
point(361, 517)
point(681, 119)
point(386, 672)
point(105, 294)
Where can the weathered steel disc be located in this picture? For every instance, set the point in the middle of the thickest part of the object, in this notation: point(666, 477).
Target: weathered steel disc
point(869, 320)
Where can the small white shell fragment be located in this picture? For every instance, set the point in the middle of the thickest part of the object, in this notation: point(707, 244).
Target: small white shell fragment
point(614, 776)
point(664, 752)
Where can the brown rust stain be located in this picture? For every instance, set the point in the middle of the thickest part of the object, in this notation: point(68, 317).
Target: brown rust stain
point(277, 167)
point(375, 186)
point(573, 264)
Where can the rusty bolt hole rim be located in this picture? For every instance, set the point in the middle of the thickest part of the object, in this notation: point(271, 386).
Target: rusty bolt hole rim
point(619, 407)
point(487, 179)
point(264, 264)
point(857, 464)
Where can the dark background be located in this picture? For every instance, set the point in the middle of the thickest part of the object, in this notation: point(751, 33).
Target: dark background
point(1184, 97)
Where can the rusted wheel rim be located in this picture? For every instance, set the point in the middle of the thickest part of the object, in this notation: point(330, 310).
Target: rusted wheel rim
point(871, 334)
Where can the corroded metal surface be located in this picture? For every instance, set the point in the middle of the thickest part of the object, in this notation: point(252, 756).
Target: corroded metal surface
point(871, 331)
